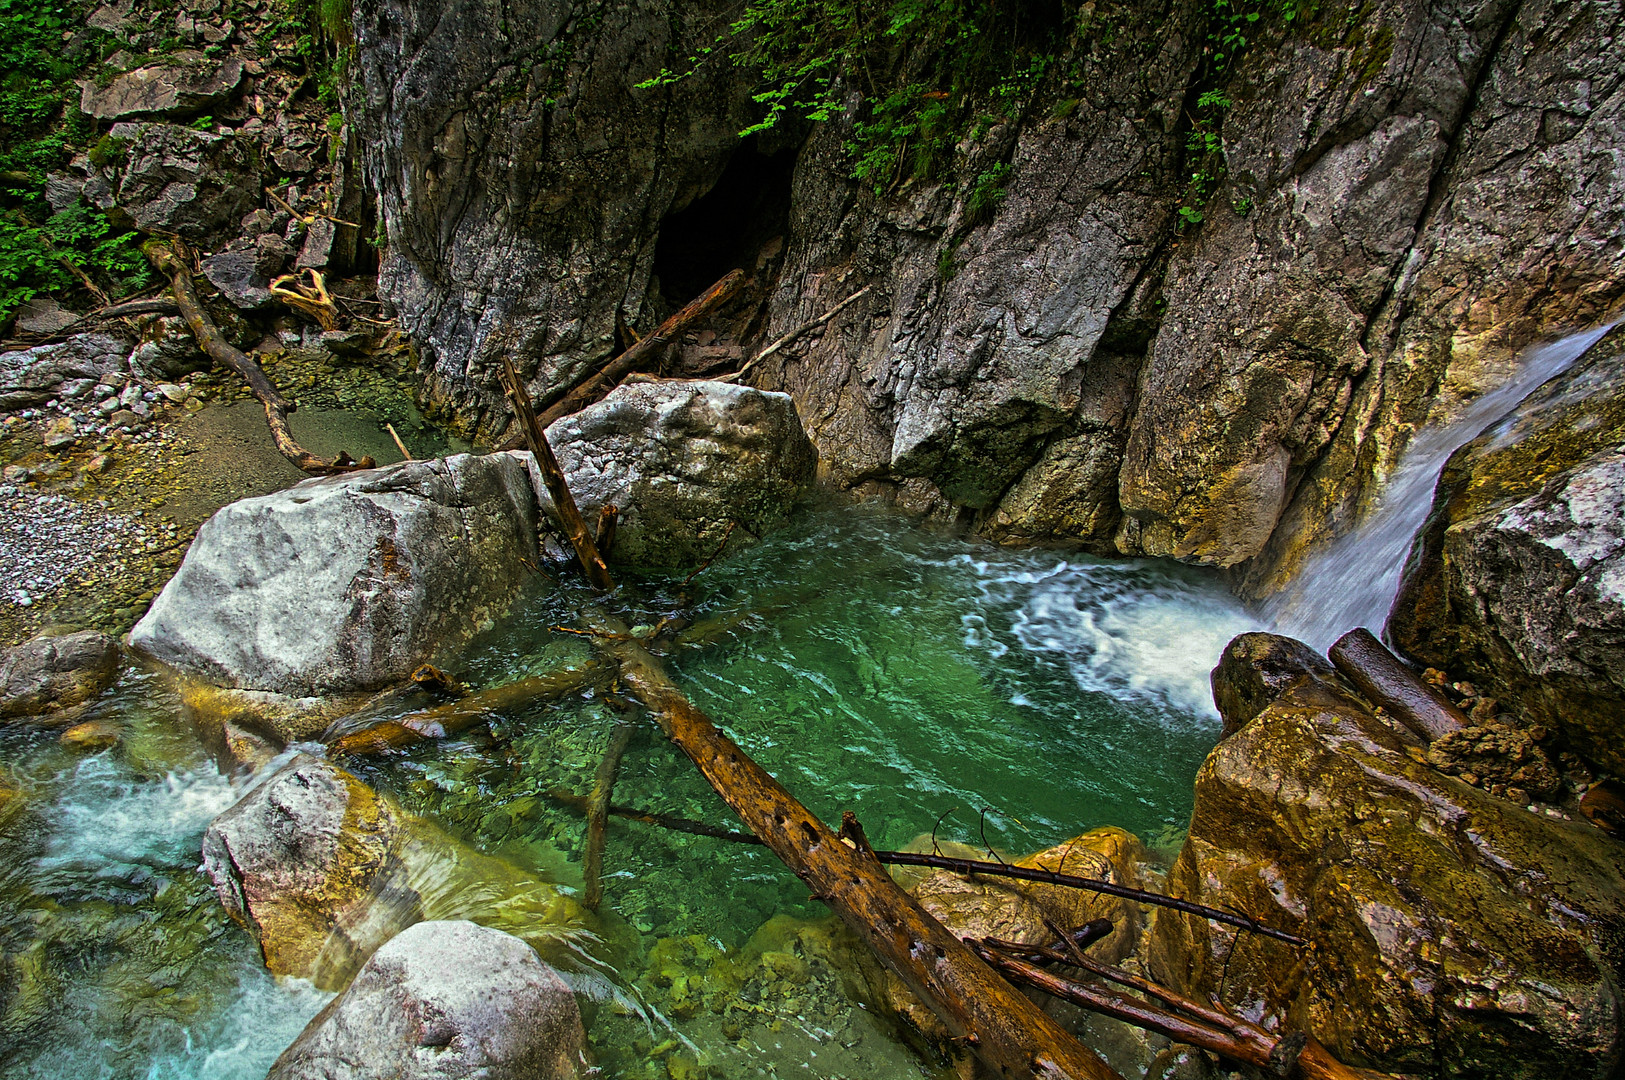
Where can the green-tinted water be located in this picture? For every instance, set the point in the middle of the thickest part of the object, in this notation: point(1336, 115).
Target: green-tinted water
point(872, 666)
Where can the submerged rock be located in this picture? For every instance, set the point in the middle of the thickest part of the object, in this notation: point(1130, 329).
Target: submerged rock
point(296, 859)
point(347, 582)
point(1453, 933)
point(1518, 577)
point(48, 673)
point(447, 1001)
point(681, 461)
point(322, 870)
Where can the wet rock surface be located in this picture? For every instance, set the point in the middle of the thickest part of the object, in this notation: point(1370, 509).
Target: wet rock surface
point(1454, 933)
point(296, 860)
point(1518, 577)
point(49, 673)
point(445, 1000)
point(1255, 669)
point(347, 582)
point(682, 461)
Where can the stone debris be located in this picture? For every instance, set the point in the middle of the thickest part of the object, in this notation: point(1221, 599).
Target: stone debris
point(46, 540)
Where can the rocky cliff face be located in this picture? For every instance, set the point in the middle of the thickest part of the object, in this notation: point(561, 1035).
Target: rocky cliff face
point(1414, 192)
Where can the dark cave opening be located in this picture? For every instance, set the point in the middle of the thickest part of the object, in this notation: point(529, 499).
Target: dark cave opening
point(727, 227)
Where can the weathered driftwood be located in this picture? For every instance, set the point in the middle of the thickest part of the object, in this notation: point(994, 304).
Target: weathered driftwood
point(603, 785)
point(168, 260)
point(790, 337)
point(1010, 1034)
point(454, 717)
point(601, 382)
point(1205, 1027)
point(1385, 680)
point(575, 526)
point(313, 299)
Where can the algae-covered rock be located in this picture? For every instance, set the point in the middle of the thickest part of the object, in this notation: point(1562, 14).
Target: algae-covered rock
point(323, 870)
point(347, 582)
point(1453, 933)
point(52, 672)
point(296, 859)
point(681, 461)
point(444, 1000)
point(1253, 671)
point(1518, 578)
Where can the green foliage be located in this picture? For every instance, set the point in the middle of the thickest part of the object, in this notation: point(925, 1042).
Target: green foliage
point(35, 257)
point(920, 76)
point(986, 193)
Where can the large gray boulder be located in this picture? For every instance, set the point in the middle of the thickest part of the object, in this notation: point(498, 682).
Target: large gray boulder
point(680, 461)
point(172, 89)
point(194, 183)
point(49, 672)
point(1517, 580)
point(444, 1001)
point(34, 376)
point(348, 582)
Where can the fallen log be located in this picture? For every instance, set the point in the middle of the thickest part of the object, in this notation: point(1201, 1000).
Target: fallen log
point(1010, 1034)
point(575, 526)
point(592, 865)
point(169, 261)
point(789, 338)
point(968, 867)
point(313, 299)
point(601, 382)
point(454, 717)
point(1231, 1037)
point(1385, 680)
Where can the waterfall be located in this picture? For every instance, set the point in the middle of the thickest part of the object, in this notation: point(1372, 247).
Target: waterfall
point(1352, 581)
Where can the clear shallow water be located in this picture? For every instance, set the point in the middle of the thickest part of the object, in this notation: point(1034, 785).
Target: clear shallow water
point(871, 666)
point(116, 960)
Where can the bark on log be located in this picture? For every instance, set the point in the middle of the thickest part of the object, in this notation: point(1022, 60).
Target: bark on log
point(601, 382)
point(575, 526)
point(209, 339)
point(457, 716)
point(1011, 1035)
point(592, 866)
point(1385, 680)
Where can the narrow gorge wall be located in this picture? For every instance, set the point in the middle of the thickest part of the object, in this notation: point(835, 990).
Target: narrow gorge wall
point(1414, 192)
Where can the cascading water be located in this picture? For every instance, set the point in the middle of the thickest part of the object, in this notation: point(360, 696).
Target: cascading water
point(1352, 582)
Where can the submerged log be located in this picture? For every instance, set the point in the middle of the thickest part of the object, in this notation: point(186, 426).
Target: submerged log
point(1010, 1034)
point(592, 865)
point(169, 261)
point(1385, 680)
point(600, 383)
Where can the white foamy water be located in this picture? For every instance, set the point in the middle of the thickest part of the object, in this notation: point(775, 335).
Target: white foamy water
point(1352, 582)
point(1135, 630)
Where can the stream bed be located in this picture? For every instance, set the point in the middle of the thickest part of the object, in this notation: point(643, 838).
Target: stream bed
point(1017, 698)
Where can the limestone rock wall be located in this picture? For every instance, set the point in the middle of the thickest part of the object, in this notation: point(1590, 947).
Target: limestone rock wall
point(1414, 192)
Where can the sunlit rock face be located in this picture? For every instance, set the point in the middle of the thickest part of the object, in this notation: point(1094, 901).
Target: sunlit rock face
point(1518, 580)
point(347, 582)
point(1454, 933)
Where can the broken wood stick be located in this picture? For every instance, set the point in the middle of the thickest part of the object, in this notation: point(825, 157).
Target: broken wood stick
point(399, 445)
point(1236, 1038)
point(601, 382)
point(790, 337)
point(592, 865)
point(168, 259)
point(1010, 1034)
point(313, 299)
point(1385, 680)
point(575, 526)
